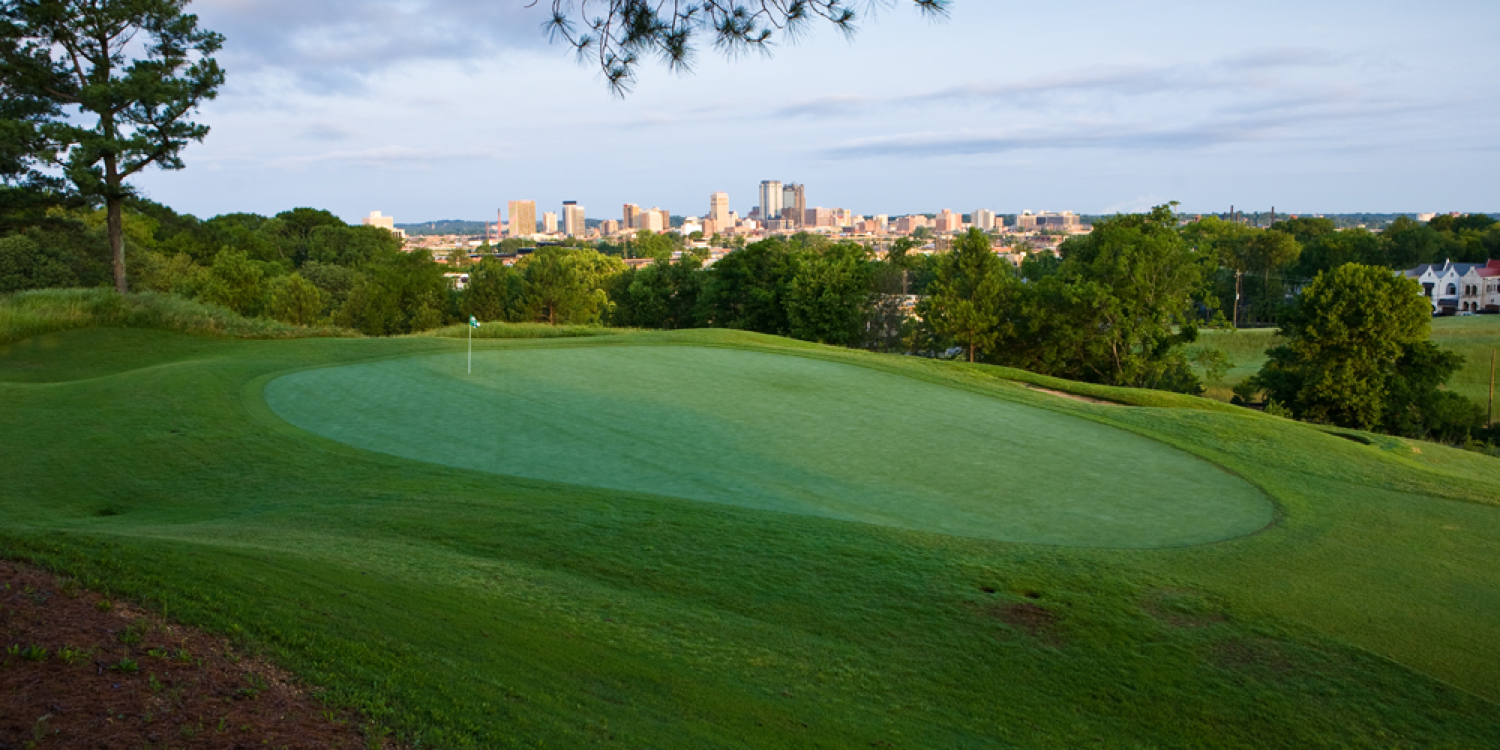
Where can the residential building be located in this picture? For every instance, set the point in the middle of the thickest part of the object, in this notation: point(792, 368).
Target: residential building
point(609, 228)
point(573, 224)
point(1458, 287)
point(948, 222)
point(522, 219)
point(909, 224)
point(549, 223)
point(770, 199)
point(632, 218)
point(984, 219)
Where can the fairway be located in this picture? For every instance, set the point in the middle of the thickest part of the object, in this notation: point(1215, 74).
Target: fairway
point(783, 433)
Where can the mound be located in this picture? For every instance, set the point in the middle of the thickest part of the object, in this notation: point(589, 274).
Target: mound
point(780, 433)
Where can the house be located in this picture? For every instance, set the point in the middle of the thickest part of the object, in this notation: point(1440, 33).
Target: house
point(1489, 287)
point(1454, 287)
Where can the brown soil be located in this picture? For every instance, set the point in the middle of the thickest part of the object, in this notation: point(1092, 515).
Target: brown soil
point(187, 689)
point(1075, 397)
point(1032, 619)
point(1159, 605)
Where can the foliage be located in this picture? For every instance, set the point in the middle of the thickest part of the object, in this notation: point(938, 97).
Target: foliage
point(295, 300)
point(829, 298)
point(1357, 355)
point(137, 68)
point(625, 30)
point(33, 313)
point(971, 301)
point(493, 293)
point(562, 285)
point(666, 294)
point(748, 289)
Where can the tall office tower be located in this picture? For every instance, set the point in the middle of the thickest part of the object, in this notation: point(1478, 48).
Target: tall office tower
point(632, 218)
point(793, 202)
point(609, 228)
point(984, 219)
point(770, 200)
point(573, 225)
point(666, 218)
point(522, 218)
point(718, 209)
point(650, 221)
point(549, 223)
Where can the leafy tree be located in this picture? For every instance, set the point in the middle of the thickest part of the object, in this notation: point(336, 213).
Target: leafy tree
point(293, 299)
point(493, 293)
point(665, 294)
point(172, 274)
point(1119, 308)
point(352, 246)
point(294, 231)
point(234, 281)
point(1411, 243)
point(404, 294)
point(1357, 353)
point(335, 283)
point(565, 285)
point(1305, 229)
point(624, 30)
point(123, 76)
point(26, 265)
point(968, 300)
point(1329, 251)
point(829, 297)
point(747, 289)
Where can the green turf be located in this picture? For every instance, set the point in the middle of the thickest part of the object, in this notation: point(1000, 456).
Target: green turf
point(465, 608)
point(1476, 337)
point(780, 433)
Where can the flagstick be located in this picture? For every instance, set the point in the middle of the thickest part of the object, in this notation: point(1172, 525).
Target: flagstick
point(471, 350)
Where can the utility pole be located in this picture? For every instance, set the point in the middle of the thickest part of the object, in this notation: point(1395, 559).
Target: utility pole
point(1491, 420)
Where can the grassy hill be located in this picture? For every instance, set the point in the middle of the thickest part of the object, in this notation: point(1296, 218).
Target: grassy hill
point(471, 602)
point(1472, 336)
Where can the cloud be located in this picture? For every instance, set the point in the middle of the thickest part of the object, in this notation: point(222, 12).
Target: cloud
point(1283, 120)
point(385, 156)
point(338, 44)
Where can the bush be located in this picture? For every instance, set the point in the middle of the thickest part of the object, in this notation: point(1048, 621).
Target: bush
point(33, 313)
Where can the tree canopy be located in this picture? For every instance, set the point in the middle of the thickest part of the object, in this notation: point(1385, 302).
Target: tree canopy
point(617, 34)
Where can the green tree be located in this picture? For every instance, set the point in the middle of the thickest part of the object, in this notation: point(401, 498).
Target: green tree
point(1356, 347)
point(25, 265)
point(747, 289)
point(968, 301)
point(124, 76)
point(562, 285)
point(828, 300)
point(293, 299)
point(493, 293)
point(234, 281)
point(665, 294)
point(625, 30)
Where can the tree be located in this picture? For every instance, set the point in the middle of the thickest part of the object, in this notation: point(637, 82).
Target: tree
point(968, 300)
point(829, 297)
point(293, 299)
point(565, 285)
point(137, 68)
point(622, 31)
point(747, 289)
point(1357, 353)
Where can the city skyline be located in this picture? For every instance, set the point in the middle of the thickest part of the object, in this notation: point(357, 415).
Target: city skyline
point(1350, 108)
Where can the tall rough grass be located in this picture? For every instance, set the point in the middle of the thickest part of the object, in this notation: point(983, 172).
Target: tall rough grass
point(33, 313)
point(522, 331)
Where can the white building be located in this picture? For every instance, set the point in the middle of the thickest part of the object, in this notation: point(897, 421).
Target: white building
point(1459, 287)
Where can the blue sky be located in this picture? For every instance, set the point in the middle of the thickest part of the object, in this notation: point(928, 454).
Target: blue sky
point(432, 109)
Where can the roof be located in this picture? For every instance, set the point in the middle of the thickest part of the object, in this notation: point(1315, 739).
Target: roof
point(1459, 269)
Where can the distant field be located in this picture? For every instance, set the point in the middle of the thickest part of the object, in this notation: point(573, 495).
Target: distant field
point(552, 552)
point(1473, 336)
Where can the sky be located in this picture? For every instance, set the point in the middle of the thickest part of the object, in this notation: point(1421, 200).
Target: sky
point(447, 109)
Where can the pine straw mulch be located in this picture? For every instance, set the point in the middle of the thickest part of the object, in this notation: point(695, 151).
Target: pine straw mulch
point(79, 671)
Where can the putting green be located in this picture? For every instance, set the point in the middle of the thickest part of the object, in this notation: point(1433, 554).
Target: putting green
point(781, 433)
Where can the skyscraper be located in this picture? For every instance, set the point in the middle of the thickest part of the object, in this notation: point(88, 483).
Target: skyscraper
point(631, 219)
point(522, 218)
point(718, 209)
point(549, 223)
point(573, 225)
point(770, 200)
point(793, 202)
point(984, 219)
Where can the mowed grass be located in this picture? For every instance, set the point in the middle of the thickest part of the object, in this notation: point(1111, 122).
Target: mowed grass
point(464, 608)
point(1476, 337)
point(775, 432)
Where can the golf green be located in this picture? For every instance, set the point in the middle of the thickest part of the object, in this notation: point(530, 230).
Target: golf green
point(781, 433)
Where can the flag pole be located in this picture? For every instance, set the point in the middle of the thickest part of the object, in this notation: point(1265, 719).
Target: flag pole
point(471, 350)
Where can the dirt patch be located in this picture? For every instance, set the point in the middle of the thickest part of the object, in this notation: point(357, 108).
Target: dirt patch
point(1251, 654)
point(1032, 619)
point(1075, 397)
point(79, 671)
point(1182, 609)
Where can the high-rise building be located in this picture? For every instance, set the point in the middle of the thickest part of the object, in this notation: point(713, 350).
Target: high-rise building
point(666, 218)
point(631, 219)
point(817, 217)
point(573, 224)
point(522, 219)
point(609, 228)
point(947, 222)
point(549, 223)
point(793, 202)
point(1067, 220)
point(770, 199)
point(650, 221)
point(384, 222)
point(718, 209)
point(984, 219)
